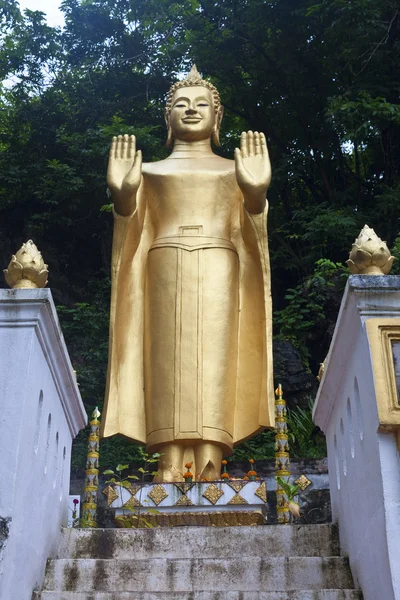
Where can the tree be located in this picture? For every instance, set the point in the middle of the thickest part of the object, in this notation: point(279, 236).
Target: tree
point(319, 78)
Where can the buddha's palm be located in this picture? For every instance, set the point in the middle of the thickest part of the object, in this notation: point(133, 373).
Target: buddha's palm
point(253, 167)
point(124, 173)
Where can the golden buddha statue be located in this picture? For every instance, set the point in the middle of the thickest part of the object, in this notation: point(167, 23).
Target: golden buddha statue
point(190, 358)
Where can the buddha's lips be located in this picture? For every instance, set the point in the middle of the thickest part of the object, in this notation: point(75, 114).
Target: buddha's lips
point(192, 120)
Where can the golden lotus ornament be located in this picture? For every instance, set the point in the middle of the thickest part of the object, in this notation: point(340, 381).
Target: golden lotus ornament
point(27, 268)
point(369, 254)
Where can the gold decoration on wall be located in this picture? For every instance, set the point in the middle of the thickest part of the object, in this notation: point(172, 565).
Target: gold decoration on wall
point(184, 487)
point(369, 254)
point(26, 268)
point(321, 370)
point(237, 486)
point(184, 501)
point(237, 518)
point(133, 488)
point(89, 506)
point(384, 340)
point(158, 494)
point(282, 460)
point(261, 492)
point(110, 494)
point(132, 503)
point(237, 499)
point(213, 493)
point(303, 482)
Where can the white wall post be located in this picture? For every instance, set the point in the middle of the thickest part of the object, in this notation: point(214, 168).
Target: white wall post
point(358, 409)
point(41, 411)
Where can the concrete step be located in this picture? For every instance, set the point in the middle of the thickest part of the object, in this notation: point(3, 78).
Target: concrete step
point(298, 595)
point(205, 542)
point(250, 574)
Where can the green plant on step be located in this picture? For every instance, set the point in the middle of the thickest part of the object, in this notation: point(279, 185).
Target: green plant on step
point(118, 479)
point(291, 492)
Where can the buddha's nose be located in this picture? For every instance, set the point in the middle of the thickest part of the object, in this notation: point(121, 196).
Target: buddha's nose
point(191, 111)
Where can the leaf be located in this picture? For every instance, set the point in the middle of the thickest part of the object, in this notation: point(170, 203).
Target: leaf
point(133, 477)
point(120, 468)
point(108, 472)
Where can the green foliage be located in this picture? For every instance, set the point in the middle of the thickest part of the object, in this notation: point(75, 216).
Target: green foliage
point(118, 479)
point(125, 481)
point(305, 439)
point(396, 253)
point(290, 490)
point(320, 78)
point(260, 447)
point(312, 305)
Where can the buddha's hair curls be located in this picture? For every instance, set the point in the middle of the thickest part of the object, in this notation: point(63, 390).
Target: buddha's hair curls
point(193, 79)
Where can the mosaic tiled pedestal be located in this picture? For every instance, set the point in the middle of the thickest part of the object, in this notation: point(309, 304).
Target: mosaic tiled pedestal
point(216, 503)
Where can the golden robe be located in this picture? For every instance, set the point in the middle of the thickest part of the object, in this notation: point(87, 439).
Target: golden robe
point(190, 355)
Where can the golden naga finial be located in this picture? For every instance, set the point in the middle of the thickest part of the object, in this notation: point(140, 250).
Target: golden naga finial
point(26, 268)
point(369, 255)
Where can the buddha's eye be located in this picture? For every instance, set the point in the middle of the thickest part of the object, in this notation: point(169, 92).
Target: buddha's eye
point(181, 105)
point(203, 104)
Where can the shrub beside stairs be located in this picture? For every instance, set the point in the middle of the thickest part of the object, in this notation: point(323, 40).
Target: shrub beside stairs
point(274, 562)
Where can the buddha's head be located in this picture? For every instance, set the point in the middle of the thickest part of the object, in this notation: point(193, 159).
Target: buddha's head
point(193, 110)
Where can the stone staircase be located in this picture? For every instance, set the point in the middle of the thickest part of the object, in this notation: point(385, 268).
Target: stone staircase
point(292, 562)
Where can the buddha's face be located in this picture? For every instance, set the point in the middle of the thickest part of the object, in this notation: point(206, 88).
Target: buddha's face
point(193, 116)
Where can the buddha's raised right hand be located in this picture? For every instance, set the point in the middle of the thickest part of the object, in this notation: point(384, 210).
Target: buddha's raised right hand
point(124, 173)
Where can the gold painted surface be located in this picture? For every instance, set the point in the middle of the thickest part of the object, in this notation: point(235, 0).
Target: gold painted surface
point(184, 501)
point(321, 370)
point(133, 488)
point(369, 255)
point(132, 503)
point(158, 494)
point(261, 492)
point(110, 494)
point(89, 505)
point(382, 334)
point(184, 487)
point(282, 458)
point(237, 486)
point(184, 228)
point(237, 499)
point(213, 493)
point(26, 268)
point(303, 482)
point(214, 519)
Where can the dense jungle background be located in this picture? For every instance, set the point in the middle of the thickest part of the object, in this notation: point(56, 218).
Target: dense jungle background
point(321, 79)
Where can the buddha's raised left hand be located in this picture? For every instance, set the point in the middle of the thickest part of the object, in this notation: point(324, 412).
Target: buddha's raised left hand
point(253, 170)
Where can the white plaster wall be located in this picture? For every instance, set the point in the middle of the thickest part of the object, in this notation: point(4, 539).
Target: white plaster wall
point(364, 466)
point(41, 412)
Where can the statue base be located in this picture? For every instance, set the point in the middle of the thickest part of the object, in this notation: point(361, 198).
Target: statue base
point(212, 503)
point(185, 519)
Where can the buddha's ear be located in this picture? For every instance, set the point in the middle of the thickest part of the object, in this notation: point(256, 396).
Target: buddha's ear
point(168, 143)
point(217, 126)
